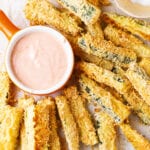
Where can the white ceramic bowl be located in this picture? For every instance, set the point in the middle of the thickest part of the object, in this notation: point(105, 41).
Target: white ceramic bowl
point(60, 38)
point(133, 9)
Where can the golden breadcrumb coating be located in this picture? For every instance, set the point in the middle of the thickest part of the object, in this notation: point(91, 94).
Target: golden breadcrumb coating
point(106, 50)
point(96, 30)
point(137, 27)
point(140, 80)
point(5, 88)
point(10, 120)
point(127, 40)
point(94, 2)
point(86, 128)
point(54, 142)
point(105, 130)
point(104, 2)
point(116, 109)
point(36, 124)
point(101, 75)
point(68, 123)
point(136, 139)
point(145, 63)
point(139, 106)
point(23, 103)
point(87, 12)
point(42, 12)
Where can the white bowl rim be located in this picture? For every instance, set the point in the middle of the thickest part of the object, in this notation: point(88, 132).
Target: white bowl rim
point(67, 47)
point(129, 12)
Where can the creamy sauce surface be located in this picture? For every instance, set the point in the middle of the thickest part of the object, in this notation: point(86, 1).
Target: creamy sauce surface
point(39, 61)
point(142, 2)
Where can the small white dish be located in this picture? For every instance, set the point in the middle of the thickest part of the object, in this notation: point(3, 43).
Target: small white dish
point(61, 38)
point(133, 9)
point(14, 35)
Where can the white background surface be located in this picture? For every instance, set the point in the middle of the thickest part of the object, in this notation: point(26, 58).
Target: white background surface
point(14, 10)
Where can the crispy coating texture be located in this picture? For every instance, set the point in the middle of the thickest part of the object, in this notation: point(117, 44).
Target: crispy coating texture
point(101, 75)
point(36, 124)
point(10, 118)
point(86, 128)
point(105, 130)
point(88, 57)
point(145, 63)
point(105, 2)
point(141, 108)
point(87, 12)
point(96, 30)
point(42, 12)
point(135, 26)
point(23, 103)
point(106, 50)
point(54, 138)
point(140, 80)
point(94, 2)
point(68, 123)
point(5, 88)
point(116, 109)
point(127, 40)
point(136, 139)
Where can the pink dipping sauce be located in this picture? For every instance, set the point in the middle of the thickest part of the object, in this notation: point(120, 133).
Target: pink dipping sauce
point(39, 60)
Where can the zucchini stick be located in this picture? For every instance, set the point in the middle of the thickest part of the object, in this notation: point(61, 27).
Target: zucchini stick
point(86, 128)
point(145, 63)
point(10, 118)
point(36, 124)
point(106, 131)
point(42, 12)
point(136, 139)
point(101, 75)
point(5, 88)
point(127, 40)
point(106, 50)
point(68, 123)
point(139, 106)
point(54, 138)
point(137, 27)
point(87, 12)
point(116, 109)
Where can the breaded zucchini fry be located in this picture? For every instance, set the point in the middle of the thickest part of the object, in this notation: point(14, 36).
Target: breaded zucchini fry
point(5, 88)
point(141, 108)
point(145, 64)
point(105, 130)
point(10, 118)
point(54, 138)
point(96, 30)
point(24, 103)
point(68, 123)
point(136, 139)
point(124, 39)
point(87, 131)
point(44, 13)
point(106, 50)
point(101, 75)
point(140, 80)
point(116, 109)
point(36, 124)
point(88, 57)
point(87, 12)
point(138, 27)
